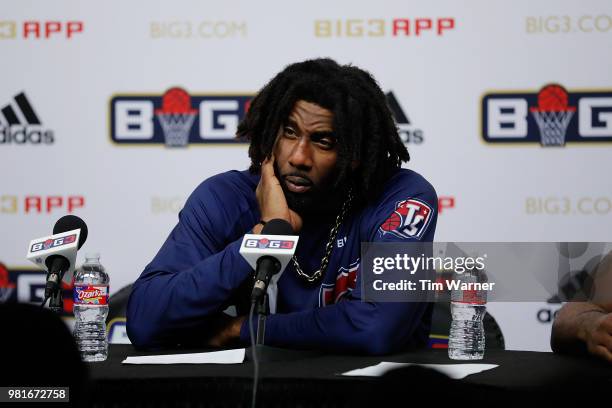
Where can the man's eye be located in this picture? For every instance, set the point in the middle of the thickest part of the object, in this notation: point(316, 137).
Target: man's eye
point(289, 131)
point(326, 143)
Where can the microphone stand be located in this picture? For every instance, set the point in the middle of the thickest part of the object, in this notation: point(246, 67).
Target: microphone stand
point(56, 303)
point(262, 310)
point(57, 266)
point(269, 353)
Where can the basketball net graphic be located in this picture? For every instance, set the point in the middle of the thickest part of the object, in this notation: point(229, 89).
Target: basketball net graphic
point(552, 115)
point(176, 117)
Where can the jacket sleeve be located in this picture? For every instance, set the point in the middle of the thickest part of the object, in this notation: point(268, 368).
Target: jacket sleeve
point(190, 279)
point(353, 325)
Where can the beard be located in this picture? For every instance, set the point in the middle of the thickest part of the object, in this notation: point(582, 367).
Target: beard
point(321, 200)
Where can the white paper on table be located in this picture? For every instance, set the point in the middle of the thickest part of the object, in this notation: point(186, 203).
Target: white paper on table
point(214, 357)
point(454, 371)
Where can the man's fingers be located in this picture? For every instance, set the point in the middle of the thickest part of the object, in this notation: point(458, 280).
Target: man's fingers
point(296, 221)
point(215, 341)
point(606, 324)
point(606, 341)
point(603, 352)
point(267, 168)
point(268, 177)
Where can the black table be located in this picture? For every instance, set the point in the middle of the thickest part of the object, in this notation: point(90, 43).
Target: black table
point(315, 381)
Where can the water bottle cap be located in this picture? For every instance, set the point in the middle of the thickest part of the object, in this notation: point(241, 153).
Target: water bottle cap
point(92, 256)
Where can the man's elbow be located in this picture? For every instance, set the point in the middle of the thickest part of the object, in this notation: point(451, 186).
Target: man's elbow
point(138, 337)
point(140, 330)
point(141, 334)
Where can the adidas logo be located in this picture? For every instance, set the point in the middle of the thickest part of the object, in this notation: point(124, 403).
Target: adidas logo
point(407, 132)
point(19, 124)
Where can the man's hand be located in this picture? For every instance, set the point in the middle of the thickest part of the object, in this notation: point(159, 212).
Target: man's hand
point(271, 199)
point(597, 334)
point(228, 334)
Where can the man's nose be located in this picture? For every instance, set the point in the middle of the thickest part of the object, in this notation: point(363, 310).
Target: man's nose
point(301, 155)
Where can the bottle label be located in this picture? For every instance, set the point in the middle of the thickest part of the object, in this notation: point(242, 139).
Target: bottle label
point(474, 296)
point(91, 295)
point(478, 297)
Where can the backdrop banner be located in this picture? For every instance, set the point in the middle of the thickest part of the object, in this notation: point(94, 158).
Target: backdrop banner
point(116, 111)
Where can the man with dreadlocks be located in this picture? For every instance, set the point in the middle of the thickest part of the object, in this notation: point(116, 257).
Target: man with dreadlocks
point(326, 157)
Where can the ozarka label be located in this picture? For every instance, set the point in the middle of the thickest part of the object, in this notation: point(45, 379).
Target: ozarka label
point(91, 295)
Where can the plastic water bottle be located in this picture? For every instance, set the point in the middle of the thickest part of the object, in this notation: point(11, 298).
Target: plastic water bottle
point(467, 339)
point(91, 308)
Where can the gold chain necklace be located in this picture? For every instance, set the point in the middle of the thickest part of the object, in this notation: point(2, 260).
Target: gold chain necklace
point(333, 233)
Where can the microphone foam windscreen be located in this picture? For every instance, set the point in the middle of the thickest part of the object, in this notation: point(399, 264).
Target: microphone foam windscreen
point(277, 226)
point(69, 223)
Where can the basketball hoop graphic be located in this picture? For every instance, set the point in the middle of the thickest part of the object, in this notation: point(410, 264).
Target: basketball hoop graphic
point(176, 117)
point(553, 115)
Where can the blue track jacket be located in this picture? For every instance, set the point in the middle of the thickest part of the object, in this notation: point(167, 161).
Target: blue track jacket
point(198, 272)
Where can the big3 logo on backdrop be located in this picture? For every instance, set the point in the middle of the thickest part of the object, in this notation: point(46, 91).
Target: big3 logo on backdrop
point(178, 119)
point(552, 116)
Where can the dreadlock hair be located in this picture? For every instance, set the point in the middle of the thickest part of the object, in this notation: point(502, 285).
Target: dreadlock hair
point(362, 121)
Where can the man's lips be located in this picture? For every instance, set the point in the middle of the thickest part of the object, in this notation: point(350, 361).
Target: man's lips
point(297, 184)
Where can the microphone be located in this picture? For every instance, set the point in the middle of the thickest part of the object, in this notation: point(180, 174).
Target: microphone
point(57, 253)
point(269, 253)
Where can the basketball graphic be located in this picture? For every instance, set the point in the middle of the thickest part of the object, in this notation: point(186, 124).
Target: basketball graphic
point(392, 223)
point(6, 286)
point(4, 277)
point(175, 100)
point(176, 117)
point(553, 98)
